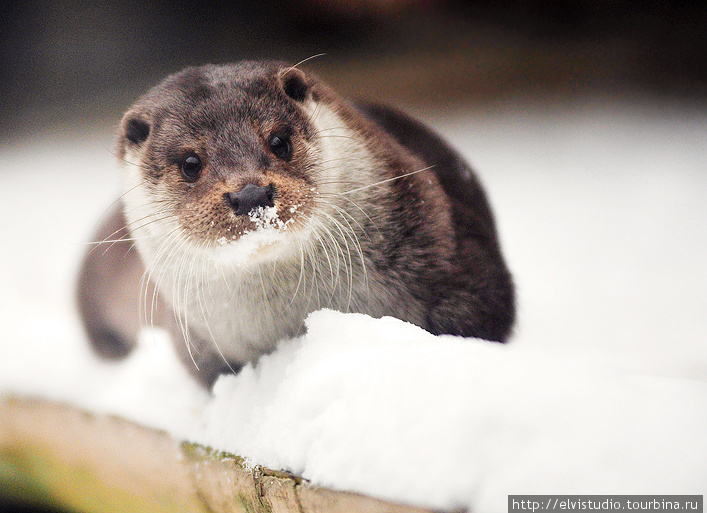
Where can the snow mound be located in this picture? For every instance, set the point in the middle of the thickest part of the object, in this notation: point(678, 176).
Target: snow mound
point(383, 407)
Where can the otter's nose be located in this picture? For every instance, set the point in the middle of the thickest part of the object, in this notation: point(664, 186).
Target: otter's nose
point(249, 197)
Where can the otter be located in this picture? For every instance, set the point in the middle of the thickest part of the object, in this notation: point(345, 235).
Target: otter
point(254, 194)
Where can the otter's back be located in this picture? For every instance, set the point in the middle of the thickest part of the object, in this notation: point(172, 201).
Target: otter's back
point(471, 211)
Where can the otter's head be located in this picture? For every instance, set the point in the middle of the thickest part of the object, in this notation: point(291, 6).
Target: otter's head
point(216, 153)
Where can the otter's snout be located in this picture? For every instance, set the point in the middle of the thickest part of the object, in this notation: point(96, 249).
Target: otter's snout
point(250, 197)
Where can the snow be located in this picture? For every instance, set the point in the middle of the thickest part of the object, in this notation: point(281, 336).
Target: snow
point(603, 389)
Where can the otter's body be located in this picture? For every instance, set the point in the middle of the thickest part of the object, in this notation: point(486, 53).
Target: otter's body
point(255, 195)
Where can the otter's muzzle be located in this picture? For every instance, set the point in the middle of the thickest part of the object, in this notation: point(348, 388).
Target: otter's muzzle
point(250, 197)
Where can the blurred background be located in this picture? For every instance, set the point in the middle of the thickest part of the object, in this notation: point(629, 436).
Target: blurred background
point(68, 62)
point(586, 119)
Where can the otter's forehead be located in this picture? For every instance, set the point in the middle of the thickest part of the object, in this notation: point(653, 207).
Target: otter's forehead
point(226, 110)
point(213, 95)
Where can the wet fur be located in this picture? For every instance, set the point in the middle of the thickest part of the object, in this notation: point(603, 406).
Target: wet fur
point(383, 218)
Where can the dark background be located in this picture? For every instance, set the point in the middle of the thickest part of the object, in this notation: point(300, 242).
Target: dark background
point(77, 62)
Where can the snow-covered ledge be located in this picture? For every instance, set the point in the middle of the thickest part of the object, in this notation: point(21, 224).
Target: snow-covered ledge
point(374, 406)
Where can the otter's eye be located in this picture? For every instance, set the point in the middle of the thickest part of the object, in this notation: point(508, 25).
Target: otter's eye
point(281, 147)
point(191, 168)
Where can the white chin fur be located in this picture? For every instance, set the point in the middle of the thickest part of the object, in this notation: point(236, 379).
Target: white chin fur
point(267, 241)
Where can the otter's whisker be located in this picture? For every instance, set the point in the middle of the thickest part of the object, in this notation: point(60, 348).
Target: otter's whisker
point(205, 315)
point(299, 279)
point(315, 56)
point(387, 180)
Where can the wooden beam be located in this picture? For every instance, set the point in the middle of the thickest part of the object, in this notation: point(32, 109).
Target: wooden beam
point(61, 456)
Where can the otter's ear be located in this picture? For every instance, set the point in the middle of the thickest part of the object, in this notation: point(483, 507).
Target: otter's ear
point(294, 83)
point(135, 127)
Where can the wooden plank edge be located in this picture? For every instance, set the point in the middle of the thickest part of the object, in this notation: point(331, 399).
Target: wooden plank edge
point(61, 456)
